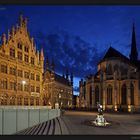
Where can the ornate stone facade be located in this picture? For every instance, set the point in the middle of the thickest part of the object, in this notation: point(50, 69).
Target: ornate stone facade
point(22, 77)
point(21, 68)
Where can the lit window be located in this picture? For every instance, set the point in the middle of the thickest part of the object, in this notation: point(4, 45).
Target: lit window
point(12, 71)
point(3, 68)
point(26, 58)
point(32, 60)
point(20, 55)
point(19, 46)
point(26, 87)
point(20, 86)
point(26, 49)
point(37, 78)
point(32, 88)
point(4, 84)
point(26, 75)
point(12, 52)
point(38, 89)
point(12, 85)
point(20, 73)
point(32, 76)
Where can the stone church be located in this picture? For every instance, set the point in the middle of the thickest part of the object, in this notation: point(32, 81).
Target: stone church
point(116, 85)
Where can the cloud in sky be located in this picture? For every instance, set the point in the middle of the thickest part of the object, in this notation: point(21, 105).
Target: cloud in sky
point(71, 52)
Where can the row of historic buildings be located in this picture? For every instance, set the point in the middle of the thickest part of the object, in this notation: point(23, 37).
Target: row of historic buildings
point(23, 80)
point(116, 85)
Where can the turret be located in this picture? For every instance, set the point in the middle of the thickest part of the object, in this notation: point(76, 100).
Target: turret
point(17, 27)
point(42, 59)
point(32, 42)
point(37, 57)
point(21, 21)
point(9, 35)
point(25, 22)
point(4, 39)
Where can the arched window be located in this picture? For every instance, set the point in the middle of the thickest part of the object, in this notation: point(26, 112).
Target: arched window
point(90, 97)
point(26, 101)
point(96, 95)
point(19, 100)
point(132, 93)
point(109, 95)
point(116, 67)
point(123, 95)
point(31, 101)
point(109, 70)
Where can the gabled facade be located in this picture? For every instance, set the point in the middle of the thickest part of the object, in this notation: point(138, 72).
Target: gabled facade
point(57, 89)
point(21, 68)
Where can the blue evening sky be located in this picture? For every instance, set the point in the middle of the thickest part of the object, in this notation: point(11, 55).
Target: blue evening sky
point(76, 37)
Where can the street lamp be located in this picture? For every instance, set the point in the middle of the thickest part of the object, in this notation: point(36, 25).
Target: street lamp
point(23, 82)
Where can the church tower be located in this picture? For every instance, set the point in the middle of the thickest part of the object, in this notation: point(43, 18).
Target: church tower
point(134, 53)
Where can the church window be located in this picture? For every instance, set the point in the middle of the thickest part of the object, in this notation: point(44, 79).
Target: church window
point(96, 95)
point(109, 95)
point(123, 95)
point(132, 93)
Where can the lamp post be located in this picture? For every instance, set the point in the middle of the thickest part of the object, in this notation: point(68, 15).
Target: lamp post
point(23, 82)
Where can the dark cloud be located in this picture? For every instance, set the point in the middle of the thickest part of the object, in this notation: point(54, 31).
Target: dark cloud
point(70, 52)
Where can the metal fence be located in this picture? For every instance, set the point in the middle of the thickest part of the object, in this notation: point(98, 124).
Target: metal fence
point(16, 118)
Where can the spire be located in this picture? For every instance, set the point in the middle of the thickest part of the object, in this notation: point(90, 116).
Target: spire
point(21, 20)
point(25, 21)
point(4, 39)
point(42, 54)
point(9, 35)
point(17, 27)
point(37, 56)
point(134, 53)
point(32, 42)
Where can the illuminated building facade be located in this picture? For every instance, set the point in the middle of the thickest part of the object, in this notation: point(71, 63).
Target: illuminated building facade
point(116, 85)
point(21, 68)
point(57, 89)
point(22, 77)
